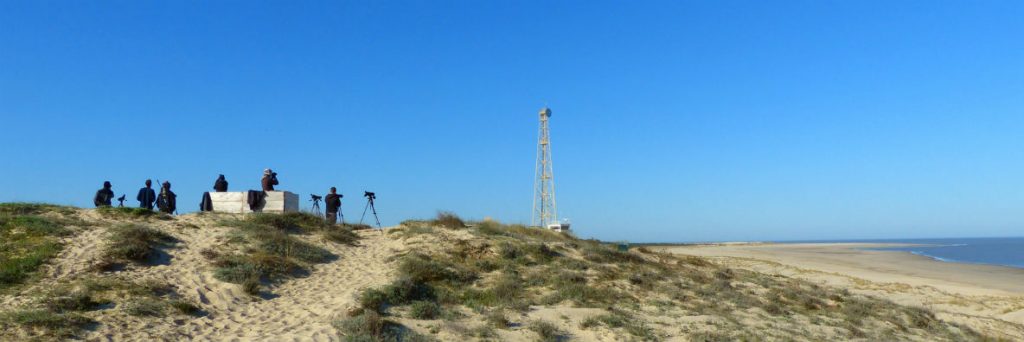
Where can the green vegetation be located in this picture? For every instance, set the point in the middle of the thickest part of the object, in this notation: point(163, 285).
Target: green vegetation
point(546, 331)
point(52, 324)
point(128, 213)
point(21, 209)
point(444, 219)
point(502, 268)
point(271, 252)
point(370, 326)
point(28, 239)
point(496, 318)
point(448, 219)
point(57, 312)
point(145, 307)
point(135, 243)
point(424, 310)
point(623, 320)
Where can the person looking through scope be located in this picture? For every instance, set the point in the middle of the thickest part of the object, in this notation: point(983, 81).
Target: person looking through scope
point(269, 180)
point(333, 202)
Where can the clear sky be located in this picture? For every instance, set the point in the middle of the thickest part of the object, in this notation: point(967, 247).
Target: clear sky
point(672, 121)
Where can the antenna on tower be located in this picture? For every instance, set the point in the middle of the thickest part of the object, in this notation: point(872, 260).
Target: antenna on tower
point(545, 210)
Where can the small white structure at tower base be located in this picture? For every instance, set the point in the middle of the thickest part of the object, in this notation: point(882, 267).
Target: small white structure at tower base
point(559, 227)
point(238, 202)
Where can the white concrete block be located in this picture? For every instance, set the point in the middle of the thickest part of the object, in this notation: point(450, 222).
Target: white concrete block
point(236, 202)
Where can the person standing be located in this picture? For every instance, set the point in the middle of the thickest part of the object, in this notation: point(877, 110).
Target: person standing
point(103, 196)
point(146, 196)
point(269, 180)
point(167, 201)
point(333, 203)
point(221, 185)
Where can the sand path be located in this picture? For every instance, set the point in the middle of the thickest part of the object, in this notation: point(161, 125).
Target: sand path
point(300, 309)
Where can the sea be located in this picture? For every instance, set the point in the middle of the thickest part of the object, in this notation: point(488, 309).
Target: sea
point(1008, 251)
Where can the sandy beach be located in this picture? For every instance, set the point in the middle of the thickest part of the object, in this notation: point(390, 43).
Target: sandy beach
point(985, 296)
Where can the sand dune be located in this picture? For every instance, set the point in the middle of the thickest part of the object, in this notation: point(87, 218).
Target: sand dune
point(983, 296)
point(581, 289)
point(301, 309)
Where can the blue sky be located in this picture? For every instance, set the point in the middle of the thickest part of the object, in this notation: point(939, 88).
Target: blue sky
point(673, 121)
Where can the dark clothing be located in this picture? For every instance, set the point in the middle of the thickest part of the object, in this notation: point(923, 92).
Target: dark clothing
point(167, 201)
point(207, 203)
point(269, 181)
point(333, 202)
point(146, 198)
point(103, 197)
point(220, 185)
point(255, 199)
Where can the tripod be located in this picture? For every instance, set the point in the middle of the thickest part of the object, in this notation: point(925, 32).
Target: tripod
point(369, 205)
point(316, 206)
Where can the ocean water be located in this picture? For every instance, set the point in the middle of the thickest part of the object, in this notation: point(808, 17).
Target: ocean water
point(992, 251)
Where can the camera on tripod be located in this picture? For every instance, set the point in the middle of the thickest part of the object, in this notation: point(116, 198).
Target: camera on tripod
point(369, 195)
point(315, 198)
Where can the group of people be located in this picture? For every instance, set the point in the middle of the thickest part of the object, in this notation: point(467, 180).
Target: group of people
point(166, 201)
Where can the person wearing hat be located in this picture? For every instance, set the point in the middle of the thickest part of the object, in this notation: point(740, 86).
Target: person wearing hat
point(167, 201)
point(269, 180)
point(103, 196)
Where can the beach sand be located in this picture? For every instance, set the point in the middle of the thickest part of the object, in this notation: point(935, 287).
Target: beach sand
point(988, 298)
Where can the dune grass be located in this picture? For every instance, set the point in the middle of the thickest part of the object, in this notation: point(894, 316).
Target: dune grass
point(50, 324)
point(271, 251)
point(447, 219)
point(22, 208)
point(135, 243)
point(370, 326)
point(513, 268)
point(58, 312)
point(444, 219)
point(546, 332)
point(27, 240)
point(130, 213)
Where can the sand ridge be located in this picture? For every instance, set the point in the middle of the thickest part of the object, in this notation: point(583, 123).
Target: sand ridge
point(985, 297)
point(667, 297)
point(299, 309)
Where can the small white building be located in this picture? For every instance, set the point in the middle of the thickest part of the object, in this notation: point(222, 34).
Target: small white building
point(238, 202)
point(559, 227)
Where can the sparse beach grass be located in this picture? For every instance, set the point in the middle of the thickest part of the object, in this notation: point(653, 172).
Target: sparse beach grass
point(129, 213)
point(442, 279)
point(61, 311)
point(271, 251)
point(134, 243)
point(500, 268)
point(30, 235)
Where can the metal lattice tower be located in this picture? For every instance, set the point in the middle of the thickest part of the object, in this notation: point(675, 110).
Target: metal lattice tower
point(544, 209)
